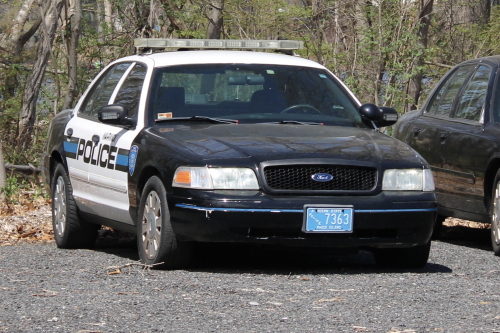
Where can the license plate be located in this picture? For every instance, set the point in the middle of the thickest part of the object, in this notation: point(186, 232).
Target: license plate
point(331, 219)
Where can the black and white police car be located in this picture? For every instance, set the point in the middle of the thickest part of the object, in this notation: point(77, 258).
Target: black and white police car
point(234, 146)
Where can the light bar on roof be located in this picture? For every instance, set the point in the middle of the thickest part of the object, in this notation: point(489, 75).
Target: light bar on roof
point(161, 43)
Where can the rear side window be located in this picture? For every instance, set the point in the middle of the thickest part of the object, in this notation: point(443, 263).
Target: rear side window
point(130, 91)
point(443, 99)
point(471, 102)
point(496, 103)
point(101, 92)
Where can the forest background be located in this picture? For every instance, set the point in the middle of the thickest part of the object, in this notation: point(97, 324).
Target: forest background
point(389, 52)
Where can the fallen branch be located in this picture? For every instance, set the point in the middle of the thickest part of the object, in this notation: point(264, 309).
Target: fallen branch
point(112, 270)
point(438, 64)
point(26, 169)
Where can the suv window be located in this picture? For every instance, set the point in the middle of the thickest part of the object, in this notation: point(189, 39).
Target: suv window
point(495, 108)
point(444, 98)
point(130, 91)
point(472, 100)
point(100, 93)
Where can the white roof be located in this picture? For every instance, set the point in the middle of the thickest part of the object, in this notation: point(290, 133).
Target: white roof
point(163, 59)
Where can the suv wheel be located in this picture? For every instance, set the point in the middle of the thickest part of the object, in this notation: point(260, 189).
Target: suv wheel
point(495, 215)
point(413, 257)
point(70, 230)
point(157, 242)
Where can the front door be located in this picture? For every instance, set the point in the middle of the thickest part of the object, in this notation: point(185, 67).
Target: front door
point(114, 156)
point(80, 142)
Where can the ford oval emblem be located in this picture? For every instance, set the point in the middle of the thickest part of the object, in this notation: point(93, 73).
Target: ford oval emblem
point(322, 177)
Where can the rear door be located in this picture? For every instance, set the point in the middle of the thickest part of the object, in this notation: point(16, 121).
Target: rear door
point(461, 138)
point(429, 132)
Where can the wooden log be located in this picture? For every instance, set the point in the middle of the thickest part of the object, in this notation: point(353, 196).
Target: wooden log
point(26, 169)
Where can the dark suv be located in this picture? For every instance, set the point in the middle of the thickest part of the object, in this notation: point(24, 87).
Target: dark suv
point(458, 132)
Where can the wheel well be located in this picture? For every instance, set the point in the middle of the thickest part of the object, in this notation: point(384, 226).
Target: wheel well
point(489, 177)
point(146, 173)
point(55, 158)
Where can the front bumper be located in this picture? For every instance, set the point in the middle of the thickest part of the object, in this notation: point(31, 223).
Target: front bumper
point(388, 219)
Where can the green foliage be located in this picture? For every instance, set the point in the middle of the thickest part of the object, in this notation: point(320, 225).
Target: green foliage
point(11, 190)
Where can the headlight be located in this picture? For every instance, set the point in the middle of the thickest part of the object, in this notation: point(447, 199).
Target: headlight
point(408, 180)
point(216, 178)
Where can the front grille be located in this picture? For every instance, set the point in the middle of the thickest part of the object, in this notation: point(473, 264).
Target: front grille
point(298, 178)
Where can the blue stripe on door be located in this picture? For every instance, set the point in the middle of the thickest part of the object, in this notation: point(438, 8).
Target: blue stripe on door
point(70, 147)
point(122, 159)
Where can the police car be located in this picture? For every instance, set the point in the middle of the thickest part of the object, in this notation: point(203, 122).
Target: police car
point(230, 145)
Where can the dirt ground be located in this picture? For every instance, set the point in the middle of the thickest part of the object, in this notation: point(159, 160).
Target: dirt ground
point(31, 221)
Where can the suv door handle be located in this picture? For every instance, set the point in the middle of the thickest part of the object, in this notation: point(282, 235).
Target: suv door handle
point(96, 138)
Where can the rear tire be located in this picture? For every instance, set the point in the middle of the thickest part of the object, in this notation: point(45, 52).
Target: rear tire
point(413, 257)
point(70, 230)
point(495, 215)
point(156, 240)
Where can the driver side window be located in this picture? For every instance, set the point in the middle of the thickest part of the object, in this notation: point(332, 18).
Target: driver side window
point(102, 90)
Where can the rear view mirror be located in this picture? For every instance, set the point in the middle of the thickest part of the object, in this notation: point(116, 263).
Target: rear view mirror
point(115, 114)
point(250, 80)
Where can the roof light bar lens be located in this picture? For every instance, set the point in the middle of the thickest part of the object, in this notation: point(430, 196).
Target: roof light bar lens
point(160, 43)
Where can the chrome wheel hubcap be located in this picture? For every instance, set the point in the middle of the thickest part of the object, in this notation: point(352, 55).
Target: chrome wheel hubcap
point(495, 225)
point(60, 207)
point(151, 225)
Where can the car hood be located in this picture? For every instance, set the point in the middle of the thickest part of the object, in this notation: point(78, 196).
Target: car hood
point(265, 142)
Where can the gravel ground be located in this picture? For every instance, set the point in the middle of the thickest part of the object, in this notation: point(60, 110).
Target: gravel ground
point(249, 289)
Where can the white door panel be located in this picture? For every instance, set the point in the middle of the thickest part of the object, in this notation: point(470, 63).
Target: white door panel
point(76, 149)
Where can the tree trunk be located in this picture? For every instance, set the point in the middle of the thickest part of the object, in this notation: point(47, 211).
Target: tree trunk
point(35, 77)
point(100, 36)
point(170, 9)
point(76, 23)
point(415, 88)
point(214, 15)
point(16, 30)
point(108, 16)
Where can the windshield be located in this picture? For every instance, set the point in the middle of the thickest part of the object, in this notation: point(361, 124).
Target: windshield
point(251, 94)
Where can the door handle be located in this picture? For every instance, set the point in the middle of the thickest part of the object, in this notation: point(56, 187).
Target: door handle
point(96, 138)
point(416, 131)
point(443, 137)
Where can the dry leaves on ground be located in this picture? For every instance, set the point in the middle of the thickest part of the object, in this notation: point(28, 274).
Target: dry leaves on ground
point(29, 221)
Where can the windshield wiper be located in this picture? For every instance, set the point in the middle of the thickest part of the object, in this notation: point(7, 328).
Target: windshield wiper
point(202, 118)
point(295, 122)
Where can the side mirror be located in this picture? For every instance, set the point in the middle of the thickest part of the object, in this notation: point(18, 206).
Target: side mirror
point(382, 116)
point(389, 117)
point(370, 112)
point(115, 114)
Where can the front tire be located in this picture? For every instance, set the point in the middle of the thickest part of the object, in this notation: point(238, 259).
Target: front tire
point(495, 215)
point(438, 227)
point(157, 242)
point(70, 230)
point(413, 257)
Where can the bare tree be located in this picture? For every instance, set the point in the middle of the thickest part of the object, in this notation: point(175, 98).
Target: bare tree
point(108, 15)
point(11, 38)
point(35, 77)
point(415, 84)
point(214, 15)
point(76, 23)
